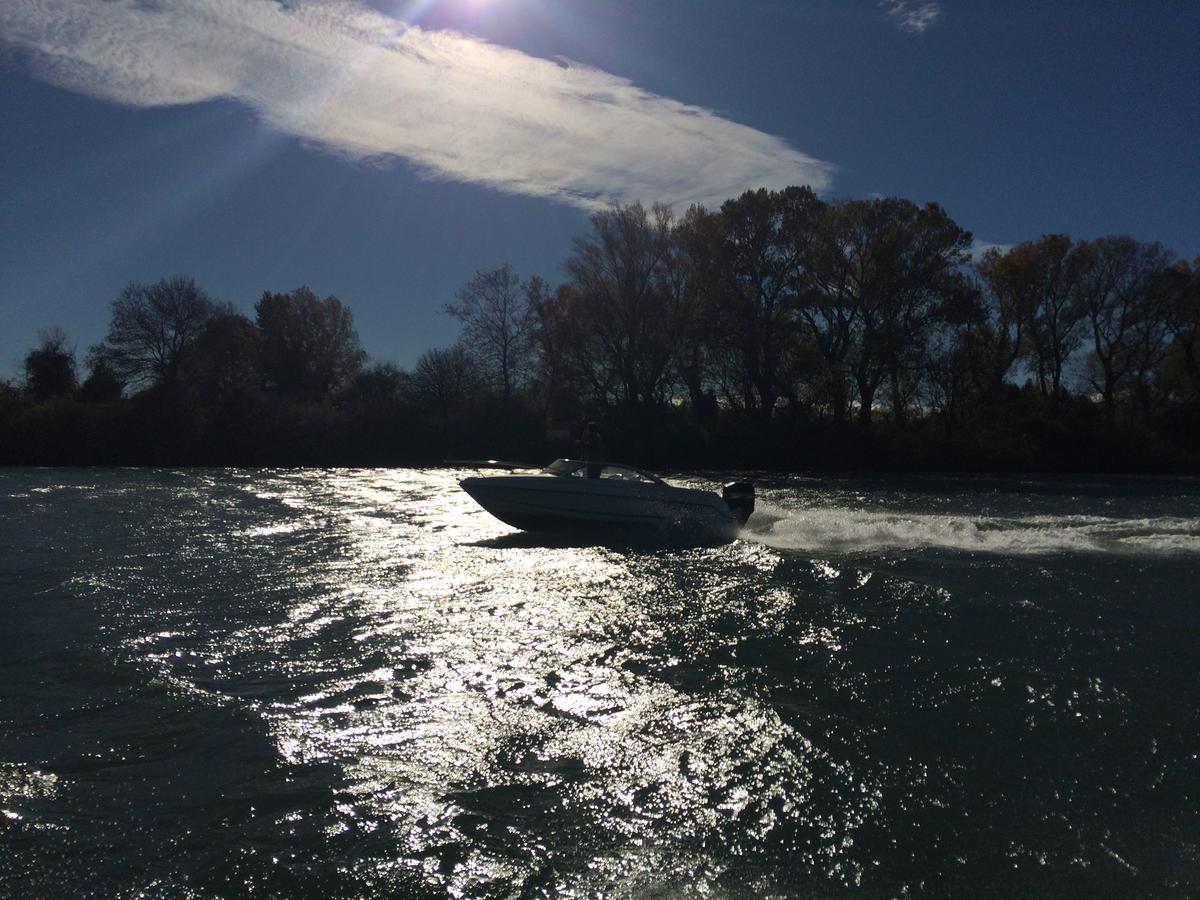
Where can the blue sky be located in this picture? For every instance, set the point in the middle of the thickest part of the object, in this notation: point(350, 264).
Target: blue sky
point(383, 152)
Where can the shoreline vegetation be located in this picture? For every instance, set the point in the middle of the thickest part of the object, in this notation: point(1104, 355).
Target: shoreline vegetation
point(779, 332)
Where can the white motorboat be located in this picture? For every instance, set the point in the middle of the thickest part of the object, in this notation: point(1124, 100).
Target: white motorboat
point(571, 494)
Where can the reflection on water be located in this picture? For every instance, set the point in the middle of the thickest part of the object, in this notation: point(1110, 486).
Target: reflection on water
point(356, 682)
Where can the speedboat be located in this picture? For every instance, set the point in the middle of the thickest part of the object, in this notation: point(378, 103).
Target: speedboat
point(608, 498)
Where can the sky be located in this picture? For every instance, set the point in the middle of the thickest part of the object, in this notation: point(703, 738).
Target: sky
point(383, 152)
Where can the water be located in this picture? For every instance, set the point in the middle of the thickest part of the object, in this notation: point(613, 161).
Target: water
point(345, 683)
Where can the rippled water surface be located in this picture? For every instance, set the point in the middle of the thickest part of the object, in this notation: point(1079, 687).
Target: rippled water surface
point(347, 683)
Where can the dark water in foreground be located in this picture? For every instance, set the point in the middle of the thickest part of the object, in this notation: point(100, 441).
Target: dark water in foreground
point(357, 683)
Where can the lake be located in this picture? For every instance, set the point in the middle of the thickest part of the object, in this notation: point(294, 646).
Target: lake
point(357, 682)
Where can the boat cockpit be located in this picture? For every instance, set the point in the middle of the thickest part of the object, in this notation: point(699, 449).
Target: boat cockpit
point(578, 468)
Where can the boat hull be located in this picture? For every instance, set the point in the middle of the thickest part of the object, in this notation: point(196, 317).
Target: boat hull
point(547, 504)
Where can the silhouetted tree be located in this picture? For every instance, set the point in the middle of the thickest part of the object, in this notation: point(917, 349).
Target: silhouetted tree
point(949, 385)
point(1179, 287)
point(881, 273)
point(50, 367)
point(223, 361)
point(919, 255)
point(378, 385)
point(102, 385)
point(749, 266)
point(10, 396)
point(830, 314)
point(1010, 291)
point(626, 285)
point(775, 302)
point(1054, 332)
point(1127, 318)
point(694, 357)
point(442, 379)
point(566, 377)
point(151, 325)
point(497, 328)
point(962, 356)
point(574, 362)
point(309, 346)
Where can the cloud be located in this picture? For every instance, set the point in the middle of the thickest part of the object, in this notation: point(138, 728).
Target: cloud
point(913, 17)
point(979, 248)
point(368, 86)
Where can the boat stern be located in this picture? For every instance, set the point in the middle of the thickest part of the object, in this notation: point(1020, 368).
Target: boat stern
point(739, 497)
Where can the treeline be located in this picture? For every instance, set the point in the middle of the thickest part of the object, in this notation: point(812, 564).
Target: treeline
point(778, 331)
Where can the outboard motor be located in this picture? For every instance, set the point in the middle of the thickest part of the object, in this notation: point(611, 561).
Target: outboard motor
point(739, 497)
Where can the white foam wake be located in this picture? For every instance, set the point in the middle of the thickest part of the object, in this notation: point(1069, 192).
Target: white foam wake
point(840, 530)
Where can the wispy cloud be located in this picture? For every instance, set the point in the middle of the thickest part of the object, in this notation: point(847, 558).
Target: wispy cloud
point(352, 79)
point(979, 248)
point(914, 17)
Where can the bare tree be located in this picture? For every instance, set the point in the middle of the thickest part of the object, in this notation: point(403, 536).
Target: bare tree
point(150, 327)
point(494, 309)
point(442, 379)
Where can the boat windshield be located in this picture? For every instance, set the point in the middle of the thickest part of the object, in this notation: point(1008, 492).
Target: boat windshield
point(578, 468)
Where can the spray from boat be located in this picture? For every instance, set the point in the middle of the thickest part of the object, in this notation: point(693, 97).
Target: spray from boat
point(828, 529)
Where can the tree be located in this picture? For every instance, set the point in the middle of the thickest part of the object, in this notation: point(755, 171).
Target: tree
point(882, 273)
point(50, 367)
point(150, 327)
point(223, 361)
point(378, 386)
point(750, 264)
point(102, 385)
point(920, 253)
point(1127, 318)
point(830, 314)
point(1179, 287)
point(1054, 332)
point(560, 377)
point(1010, 294)
point(626, 289)
point(442, 379)
point(309, 346)
point(497, 327)
point(1036, 289)
point(695, 355)
point(948, 382)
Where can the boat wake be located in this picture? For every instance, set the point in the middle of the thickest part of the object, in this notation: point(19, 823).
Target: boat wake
point(838, 530)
